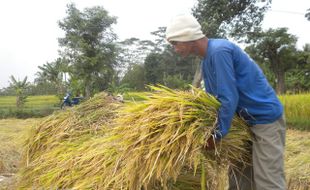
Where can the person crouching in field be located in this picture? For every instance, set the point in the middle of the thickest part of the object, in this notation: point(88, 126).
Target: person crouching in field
point(240, 85)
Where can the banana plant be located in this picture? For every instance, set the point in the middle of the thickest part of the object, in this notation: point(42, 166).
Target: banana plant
point(20, 88)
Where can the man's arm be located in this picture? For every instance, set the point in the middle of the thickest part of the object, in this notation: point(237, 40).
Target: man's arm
point(226, 91)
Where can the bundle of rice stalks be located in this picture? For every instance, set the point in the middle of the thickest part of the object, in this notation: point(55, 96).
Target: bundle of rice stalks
point(63, 132)
point(164, 135)
point(84, 120)
point(154, 144)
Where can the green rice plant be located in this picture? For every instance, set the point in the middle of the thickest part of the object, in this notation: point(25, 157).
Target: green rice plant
point(151, 144)
point(35, 106)
point(31, 101)
point(297, 110)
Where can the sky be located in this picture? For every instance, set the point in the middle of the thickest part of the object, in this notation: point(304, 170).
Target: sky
point(29, 29)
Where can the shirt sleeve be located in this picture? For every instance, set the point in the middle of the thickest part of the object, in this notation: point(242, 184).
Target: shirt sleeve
point(226, 91)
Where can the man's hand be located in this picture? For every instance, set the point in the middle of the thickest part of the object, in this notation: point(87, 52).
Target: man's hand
point(210, 144)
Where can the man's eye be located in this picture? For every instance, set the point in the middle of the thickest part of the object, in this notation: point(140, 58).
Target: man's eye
point(173, 43)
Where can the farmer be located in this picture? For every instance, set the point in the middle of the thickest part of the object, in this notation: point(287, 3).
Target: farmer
point(240, 85)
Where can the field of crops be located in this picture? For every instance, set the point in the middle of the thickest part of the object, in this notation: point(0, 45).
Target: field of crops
point(33, 102)
point(297, 110)
point(35, 106)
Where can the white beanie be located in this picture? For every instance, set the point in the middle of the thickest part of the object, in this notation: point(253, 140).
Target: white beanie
point(184, 28)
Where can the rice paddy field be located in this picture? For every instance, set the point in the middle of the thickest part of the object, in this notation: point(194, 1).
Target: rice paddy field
point(35, 105)
point(297, 110)
point(70, 147)
point(33, 102)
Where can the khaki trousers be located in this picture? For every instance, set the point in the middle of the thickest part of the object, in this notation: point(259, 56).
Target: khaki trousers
point(267, 170)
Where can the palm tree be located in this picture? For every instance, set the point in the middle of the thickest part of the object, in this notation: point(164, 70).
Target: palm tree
point(54, 72)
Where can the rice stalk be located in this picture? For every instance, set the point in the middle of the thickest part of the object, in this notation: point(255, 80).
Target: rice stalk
point(166, 133)
point(157, 143)
point(59, 136)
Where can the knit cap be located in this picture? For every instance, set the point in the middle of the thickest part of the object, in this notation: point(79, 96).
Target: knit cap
point(184, 28)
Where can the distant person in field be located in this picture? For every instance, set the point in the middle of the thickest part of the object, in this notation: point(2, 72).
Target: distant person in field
point(240, 85)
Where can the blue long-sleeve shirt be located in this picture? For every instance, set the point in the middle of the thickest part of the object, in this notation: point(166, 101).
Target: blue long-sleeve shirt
point(239, 84)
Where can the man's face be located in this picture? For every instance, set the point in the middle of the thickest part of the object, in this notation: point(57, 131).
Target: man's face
point(183, 48)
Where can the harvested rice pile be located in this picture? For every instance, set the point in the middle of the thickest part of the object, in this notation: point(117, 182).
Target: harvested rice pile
point(153, 144)
point(52, 144)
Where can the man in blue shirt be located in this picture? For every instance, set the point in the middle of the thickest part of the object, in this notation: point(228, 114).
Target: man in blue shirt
point(240, 85)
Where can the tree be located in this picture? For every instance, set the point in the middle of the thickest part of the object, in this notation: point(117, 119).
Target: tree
point(152, 62)
point(42, 88)
point(228, 19)
point(89, 47)
point(160, 43)
point(307, 15)
point(279, 48)
point(171, 69)
point(133, 51)
point(298, 79)
point(55, 73)
point(153, 70)
point(20, 88)
point(135, 77)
